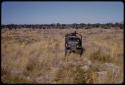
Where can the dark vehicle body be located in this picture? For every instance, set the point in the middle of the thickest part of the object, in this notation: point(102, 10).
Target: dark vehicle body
point(73, 43)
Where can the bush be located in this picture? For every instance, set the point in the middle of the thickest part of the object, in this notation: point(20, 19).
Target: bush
point(100, 56)
point(77, 76)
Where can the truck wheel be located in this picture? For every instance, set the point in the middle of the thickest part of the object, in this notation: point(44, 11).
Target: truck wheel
point(81, 51)
point(65, 51)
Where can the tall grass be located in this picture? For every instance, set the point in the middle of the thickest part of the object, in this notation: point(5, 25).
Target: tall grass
point(37, 56)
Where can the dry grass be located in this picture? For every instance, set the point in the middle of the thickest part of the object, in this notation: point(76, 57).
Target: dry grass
point(37, 56)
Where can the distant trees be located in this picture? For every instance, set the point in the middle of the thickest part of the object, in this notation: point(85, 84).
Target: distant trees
point(64, 26)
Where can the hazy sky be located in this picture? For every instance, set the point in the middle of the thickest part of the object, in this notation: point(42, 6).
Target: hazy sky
point(62, 12)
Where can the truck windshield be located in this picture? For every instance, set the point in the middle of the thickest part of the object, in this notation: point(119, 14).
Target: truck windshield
point(73, 39)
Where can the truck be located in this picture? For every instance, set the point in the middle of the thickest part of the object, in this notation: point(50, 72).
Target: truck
point(73, 43)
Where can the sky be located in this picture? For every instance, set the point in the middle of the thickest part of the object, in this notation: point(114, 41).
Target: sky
point(61, 12)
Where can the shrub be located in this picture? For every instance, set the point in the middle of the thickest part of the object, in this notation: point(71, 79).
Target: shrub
point(100, 56)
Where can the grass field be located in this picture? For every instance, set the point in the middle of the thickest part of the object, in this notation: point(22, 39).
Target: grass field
point(37, 56)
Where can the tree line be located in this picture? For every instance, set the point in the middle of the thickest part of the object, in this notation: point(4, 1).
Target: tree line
point(63, 26)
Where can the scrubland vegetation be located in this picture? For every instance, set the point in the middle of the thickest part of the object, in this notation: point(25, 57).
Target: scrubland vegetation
point(37, 56)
